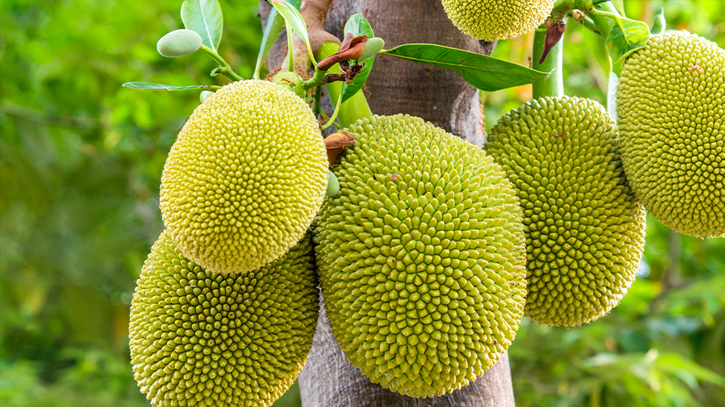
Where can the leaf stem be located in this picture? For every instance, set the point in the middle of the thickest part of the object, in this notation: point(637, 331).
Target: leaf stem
point(332, 118)
point(290, 50)
point(554, 84)
point(224, 67)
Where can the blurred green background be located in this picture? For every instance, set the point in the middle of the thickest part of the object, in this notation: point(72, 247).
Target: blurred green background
point(80, 164)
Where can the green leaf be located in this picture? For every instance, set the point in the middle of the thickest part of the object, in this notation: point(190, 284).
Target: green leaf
point(358, 25)
point(275, 22)
point(626, 37)
point(204, 17)
point(484, 72)
point(159, 86)
point(296, 22)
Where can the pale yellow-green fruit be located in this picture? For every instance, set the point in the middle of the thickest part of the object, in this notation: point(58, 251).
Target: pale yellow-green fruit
point(584, 228)
point(671, 104)
point(493, 20)
point(179, 43)
point(245, 177)
point(207, 339)
point(421, 257)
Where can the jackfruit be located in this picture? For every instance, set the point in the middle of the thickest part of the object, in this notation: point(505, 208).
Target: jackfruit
point(493, 20)
point(179, 43)
point(372, 47)
point(584, 227)
point(671, 104)
point(207, 339)
point(421, 257)
point(245, 177)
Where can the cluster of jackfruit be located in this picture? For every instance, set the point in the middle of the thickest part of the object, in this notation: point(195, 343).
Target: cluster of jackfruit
point(494, 20)
point(584, 227)
point(429, 249)
point(421, 257)
point(226, 306)
point(671, 104)
point(208, 339)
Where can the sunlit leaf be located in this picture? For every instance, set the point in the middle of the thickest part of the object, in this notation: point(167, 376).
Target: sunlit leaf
point(275, 22)
point(204, 17)
point(626, 37)
point(483, 72)
point(296, 22)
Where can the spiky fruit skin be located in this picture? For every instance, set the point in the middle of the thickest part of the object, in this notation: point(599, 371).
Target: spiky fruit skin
point(584, 227)
point(671, 104)
point(207, 339)
point(421, 257)
point(493, 20)
point(245, 177)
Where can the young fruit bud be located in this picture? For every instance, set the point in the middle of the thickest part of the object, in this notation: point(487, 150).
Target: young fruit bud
point(290, 81)
point(205, 95)
point(372, 47)
point(333, 185)
point(179, 43)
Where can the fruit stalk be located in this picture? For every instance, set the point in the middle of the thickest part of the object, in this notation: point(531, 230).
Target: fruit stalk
point(224, 67)
point(553, 85)
point(353, 109)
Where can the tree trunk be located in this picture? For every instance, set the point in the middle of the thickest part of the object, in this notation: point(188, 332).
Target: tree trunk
point(446, 100)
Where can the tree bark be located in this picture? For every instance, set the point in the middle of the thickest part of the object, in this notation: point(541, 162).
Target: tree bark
point(446, 100)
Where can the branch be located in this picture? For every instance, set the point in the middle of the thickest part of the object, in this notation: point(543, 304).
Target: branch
point(315, 13)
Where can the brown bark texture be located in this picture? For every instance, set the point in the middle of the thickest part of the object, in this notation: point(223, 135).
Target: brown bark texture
point(446, 100)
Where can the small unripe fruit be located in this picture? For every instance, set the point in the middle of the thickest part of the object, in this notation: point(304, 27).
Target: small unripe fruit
point(205, 95)
point(290, 81)
point(333, 185)
point(179, 43)
point(372, 47)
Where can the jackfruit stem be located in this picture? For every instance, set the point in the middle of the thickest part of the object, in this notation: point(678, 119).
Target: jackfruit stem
point(224, 67)
point(554, 84)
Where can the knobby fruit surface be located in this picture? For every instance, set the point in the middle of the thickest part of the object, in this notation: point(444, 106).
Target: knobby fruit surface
point(421, 257)
point(245, 177)
point(493, 20)
point(207, 339)
point(671, 104)
point(584, 228)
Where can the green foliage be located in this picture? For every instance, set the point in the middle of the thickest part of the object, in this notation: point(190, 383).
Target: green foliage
point(483, 72)
point(80, 163)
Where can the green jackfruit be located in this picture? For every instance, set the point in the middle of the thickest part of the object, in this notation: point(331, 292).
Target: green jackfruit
point(245, 177)
point(493, 20)
point(584, 228)
point(671, 104)
point(179, 43)
point(207, 339)
point(421, 257)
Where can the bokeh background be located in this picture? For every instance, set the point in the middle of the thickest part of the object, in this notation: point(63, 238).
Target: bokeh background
point(80, 164)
